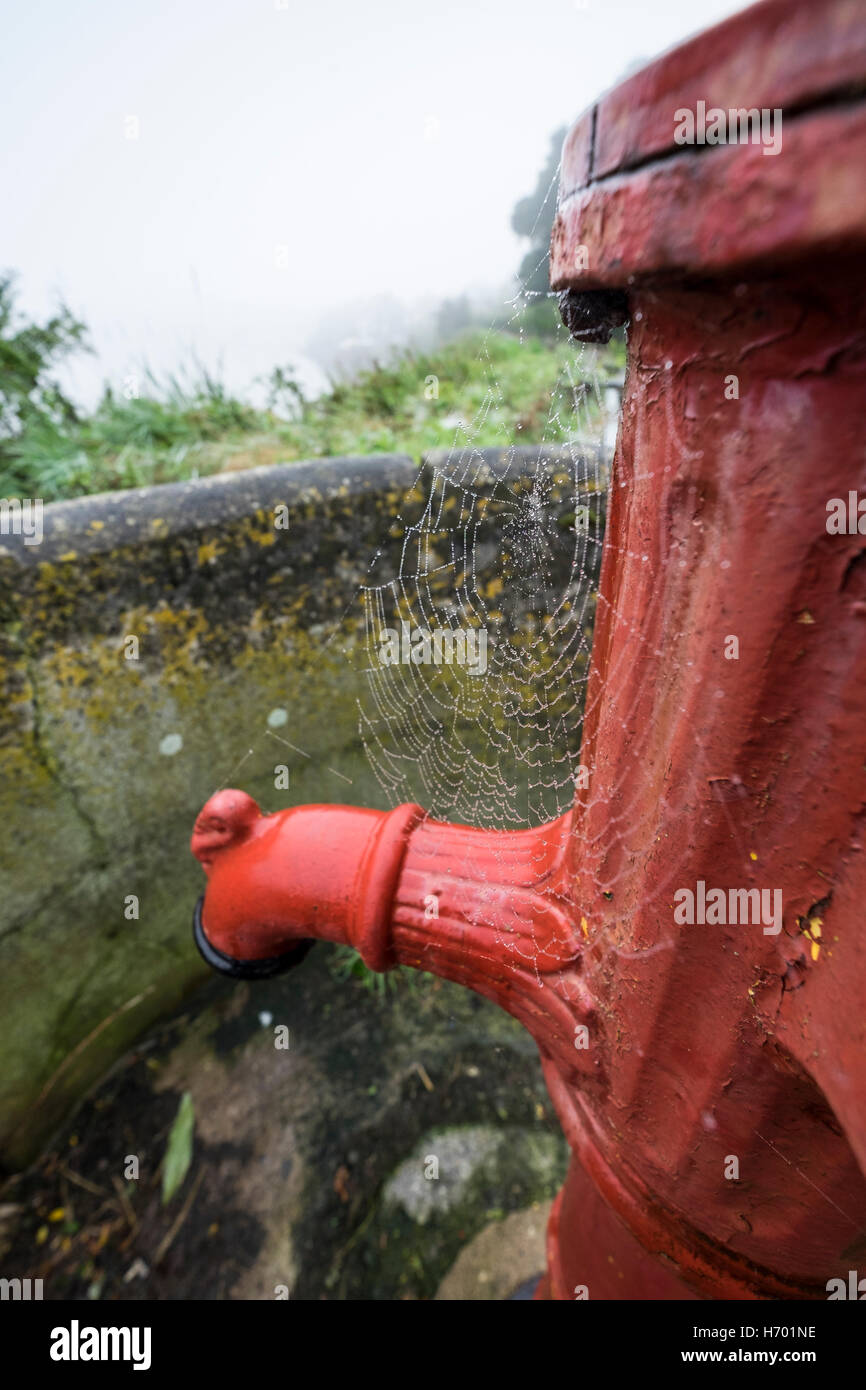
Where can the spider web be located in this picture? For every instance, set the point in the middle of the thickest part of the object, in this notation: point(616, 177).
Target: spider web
point(506, 545)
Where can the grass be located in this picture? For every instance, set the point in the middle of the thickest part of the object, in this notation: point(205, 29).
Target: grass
point(495, 388)
point(345, 965)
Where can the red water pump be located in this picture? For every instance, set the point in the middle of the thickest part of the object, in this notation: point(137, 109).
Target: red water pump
point(686, 944)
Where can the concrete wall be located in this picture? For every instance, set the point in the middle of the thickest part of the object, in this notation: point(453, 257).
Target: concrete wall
point(248, 636)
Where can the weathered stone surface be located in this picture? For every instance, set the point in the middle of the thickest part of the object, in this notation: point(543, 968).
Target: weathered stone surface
point(506, 1256)
point(235, 619)
point(458, 1155)
point(250, 656)
point(440, 1178)
point(296, 1149)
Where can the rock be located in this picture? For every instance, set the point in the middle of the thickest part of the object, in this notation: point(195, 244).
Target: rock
point(502, 1257)
point(436, 1177)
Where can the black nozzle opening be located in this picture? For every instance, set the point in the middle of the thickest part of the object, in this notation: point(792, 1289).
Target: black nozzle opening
point(244, 969)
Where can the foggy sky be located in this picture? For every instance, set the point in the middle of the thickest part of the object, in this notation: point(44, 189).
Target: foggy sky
point(293, 157)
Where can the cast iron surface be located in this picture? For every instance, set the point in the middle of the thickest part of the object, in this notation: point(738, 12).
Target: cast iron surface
point(262, 969)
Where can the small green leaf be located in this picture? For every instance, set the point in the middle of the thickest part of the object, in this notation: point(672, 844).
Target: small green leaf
point(178, 1150)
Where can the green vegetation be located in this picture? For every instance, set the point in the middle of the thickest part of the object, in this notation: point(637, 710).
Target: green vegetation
point(178, 1150)
point(345, 964)
point(494, 388)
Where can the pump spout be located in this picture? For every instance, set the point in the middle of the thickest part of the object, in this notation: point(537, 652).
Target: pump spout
point(488, 909)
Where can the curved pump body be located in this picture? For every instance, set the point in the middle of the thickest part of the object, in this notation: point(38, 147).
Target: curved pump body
point(687, 945)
